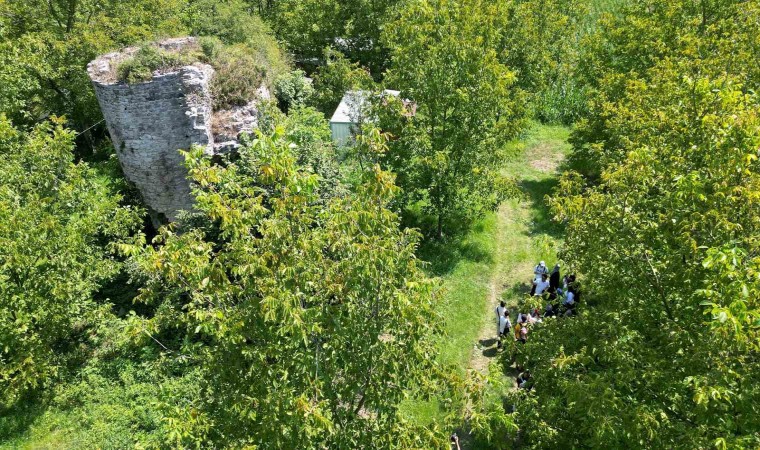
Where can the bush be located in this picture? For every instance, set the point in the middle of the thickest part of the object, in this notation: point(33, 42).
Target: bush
point(150, 58)
point(293, 89)
point(239, 74)
point(562, 102)
point(211, 48)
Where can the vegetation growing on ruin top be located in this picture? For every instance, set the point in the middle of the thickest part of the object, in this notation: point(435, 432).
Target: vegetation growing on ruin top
point(150, 58)
point(240, 69)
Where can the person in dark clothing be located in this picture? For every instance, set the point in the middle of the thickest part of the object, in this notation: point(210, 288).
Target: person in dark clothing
point(523, 379)
point(455, 442)
point(554, 278)
point(552, 308)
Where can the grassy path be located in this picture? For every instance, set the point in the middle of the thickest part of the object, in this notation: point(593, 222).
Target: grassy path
point(494, 260)
point(524, 233)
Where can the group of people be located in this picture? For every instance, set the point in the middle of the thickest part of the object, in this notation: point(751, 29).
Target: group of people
point(520, 329)
point(562, 300)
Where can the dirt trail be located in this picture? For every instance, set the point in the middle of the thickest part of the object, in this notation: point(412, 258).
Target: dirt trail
point(509, 279)
point(523, 228)
point(485, 347)
point(516, 250)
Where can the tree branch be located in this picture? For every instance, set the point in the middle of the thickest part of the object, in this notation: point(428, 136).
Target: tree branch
point(658, 286)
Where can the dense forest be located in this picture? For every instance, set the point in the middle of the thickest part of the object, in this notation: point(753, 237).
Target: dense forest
point(305, 300)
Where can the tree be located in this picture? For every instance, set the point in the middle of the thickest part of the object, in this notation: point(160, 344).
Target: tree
point(293, 89)
point(667, 244)
point(55, 217)
point(352, 27)
point(444, 59)
point(665, 240)
point(310, 322)
point(334, 78)
point(627, 46)
point(540, 39)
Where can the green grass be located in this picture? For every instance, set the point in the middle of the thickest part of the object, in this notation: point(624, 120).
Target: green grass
point(502, 246)
point(529, 233)
point(465, 267)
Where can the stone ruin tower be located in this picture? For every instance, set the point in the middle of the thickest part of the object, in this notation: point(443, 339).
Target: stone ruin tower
point(150, 122)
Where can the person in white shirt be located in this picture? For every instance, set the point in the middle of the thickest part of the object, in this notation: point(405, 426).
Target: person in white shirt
point(523, 379)
point(504, 323)
point(504, 326)
point(569, 298)
point(540, 270)
point(499, 313)
point(542, 285)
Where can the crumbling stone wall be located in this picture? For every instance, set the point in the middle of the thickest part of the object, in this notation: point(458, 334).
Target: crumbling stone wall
point(150, 122)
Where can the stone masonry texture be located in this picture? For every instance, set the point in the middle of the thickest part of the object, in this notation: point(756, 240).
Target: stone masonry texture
point(150, 122)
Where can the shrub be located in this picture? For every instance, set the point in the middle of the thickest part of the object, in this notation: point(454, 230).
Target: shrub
point(211, 48)
point(239, 74)
point(150, 58)
point(293, 89)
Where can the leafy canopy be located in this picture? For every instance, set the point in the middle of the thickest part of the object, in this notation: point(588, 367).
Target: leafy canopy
point(665, 236)
point(310, 322)
point(55, 217)
point(444, 59)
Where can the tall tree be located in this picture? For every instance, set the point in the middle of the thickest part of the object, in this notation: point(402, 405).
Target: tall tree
point(310, 322)
point(667, 245)
point(445, 59)
point(352, 27)
point(55, 217)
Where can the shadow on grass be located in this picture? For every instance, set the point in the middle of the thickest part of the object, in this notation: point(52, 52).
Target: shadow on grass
point(16, 419)
point(516, 290)
point(490, 352)
point(536, 191)
point(488, 342)
point(443, 255)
